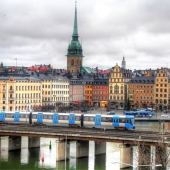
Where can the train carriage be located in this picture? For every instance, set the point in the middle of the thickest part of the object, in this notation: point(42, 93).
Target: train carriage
point(69, 119)
point(108, 121)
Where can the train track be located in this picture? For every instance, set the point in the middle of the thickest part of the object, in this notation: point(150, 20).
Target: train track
point(130, 134)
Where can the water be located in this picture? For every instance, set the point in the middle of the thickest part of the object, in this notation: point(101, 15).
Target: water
point(30, 159)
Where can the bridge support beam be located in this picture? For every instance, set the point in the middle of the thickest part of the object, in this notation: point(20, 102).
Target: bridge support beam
point(82, 149)
point(144, 153)
point(0, 144)
point(14, 143)
point(126, 155)
point(161, 156)
point(62, 150)
point(100, 148)
point(33, 142)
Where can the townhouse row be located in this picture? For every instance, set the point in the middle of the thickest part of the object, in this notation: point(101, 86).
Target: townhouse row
point(18, 91)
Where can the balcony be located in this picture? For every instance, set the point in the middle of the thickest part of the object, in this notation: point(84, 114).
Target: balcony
point(11, 90)
point(11, 98)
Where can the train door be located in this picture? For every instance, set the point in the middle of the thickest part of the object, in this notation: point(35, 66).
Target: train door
point(115, 121)
point(97, 120)
point(16, 117)
point(2, 116)
point(40, 118)
point(127, 123)
point(55, 118)
point(72, 119)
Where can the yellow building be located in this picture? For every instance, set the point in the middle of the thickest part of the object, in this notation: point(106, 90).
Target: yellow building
point(19, 93)
point(118, 86)
point(161, 90)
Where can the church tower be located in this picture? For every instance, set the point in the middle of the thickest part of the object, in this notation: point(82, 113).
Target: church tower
point(123, 63)
point(74, 51)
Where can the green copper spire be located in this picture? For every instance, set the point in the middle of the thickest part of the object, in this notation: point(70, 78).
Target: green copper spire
point(75, 29)
point(75, 48)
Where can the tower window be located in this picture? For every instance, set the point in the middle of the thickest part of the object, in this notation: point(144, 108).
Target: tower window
point(72, 62)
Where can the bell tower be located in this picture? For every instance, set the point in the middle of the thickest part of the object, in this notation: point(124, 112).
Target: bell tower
point(74, 51)
point(123, 63)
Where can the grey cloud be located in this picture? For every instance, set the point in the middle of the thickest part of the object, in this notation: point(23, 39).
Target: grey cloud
point(37, 31)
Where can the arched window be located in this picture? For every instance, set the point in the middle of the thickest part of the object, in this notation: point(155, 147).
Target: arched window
point(121, 89)
point(165, 101)
point(72, 62)
point(116, 89)
point(110, 89)
point(10, 108)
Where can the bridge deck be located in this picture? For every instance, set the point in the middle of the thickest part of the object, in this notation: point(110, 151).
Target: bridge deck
point(101, 135)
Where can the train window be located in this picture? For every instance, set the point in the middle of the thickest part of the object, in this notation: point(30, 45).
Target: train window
point(77, 118)
point(23, 115)
point(86, 119)
point(34, 116)
point(45, 117)
point(104, 119)
point(66, 118)
point(122, 120)
point(109, 119)
point(72, 118)
point(91, 119)
point(60, 117)
point(16, 116)
point(116, 120)
point(127, 120)
point(49, 117)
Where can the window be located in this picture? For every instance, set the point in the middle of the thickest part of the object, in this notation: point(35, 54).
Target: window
point(72, 62)
point(116, 89)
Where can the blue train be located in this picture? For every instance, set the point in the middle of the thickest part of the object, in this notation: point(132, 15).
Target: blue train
point(70, 119)
point(140, 113)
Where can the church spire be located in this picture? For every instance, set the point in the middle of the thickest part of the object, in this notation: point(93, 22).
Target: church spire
point(123, 63)
point(75, 29)
point(75, 51)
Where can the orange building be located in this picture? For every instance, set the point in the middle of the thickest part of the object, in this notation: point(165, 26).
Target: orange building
point(141, 91)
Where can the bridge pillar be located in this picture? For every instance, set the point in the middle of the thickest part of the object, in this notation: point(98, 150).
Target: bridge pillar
point(14, 143)
point(100, 148)
point(144, 153)
point(82, 149)
point(62, 150)
point(33, 142)
point(62, 165)
point(126, 155)
point(0, 144)
point(161, 156)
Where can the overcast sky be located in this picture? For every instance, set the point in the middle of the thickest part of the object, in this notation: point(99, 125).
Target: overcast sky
point(38, 32)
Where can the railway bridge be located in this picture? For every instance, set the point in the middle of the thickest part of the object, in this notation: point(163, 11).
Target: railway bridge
point(148, 142)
